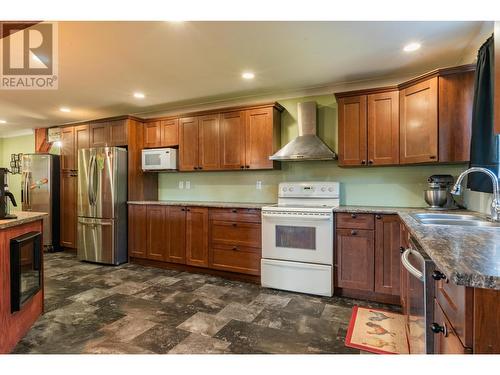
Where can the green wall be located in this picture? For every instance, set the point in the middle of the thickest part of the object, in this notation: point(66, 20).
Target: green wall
point(388, 186)
point(15, 145)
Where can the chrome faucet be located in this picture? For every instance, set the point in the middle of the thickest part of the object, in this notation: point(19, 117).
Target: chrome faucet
point(495, 203)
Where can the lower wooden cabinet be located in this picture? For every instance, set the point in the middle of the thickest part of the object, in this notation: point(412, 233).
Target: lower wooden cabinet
point(225, 239)
point(68, 189)
point(367, 256)
point(355, 259)
point(446, 340)
point(197, 236)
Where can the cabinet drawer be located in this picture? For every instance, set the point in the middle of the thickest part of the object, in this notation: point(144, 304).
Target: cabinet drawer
point(355, 221)
point(457, 304)
point(235, 259)
point(236, 233)
point(446, 342)
point(251, 215)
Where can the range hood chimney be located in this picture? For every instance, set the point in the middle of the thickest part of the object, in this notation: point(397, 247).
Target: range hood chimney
point(307, 146)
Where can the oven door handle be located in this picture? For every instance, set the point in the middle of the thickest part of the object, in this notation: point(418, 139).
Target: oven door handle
point(406, 264)
point(292, 216)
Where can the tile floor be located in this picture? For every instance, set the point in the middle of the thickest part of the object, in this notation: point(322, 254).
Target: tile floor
point(92, 308)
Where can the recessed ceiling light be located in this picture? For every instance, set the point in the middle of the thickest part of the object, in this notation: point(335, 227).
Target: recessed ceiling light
point(65, 109)
point(411, 47)
point(139, 95)
point(248, 75)
point(3, 122)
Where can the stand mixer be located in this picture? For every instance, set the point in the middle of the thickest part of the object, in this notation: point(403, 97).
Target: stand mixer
point(438, 195)
point(5, 196)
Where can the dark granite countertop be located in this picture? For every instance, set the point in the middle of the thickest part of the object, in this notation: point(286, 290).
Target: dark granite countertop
point(468, 256)
point(205, 204)
point(23, 217)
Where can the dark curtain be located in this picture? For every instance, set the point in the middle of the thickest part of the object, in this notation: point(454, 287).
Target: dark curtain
point(484, 150)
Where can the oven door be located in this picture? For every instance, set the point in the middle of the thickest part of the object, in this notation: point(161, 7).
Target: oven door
point(298, 237)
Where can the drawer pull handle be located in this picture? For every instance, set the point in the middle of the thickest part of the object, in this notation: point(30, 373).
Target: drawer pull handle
point(234, 210)
point(438, 275)
point(235, 247)
point(353, 232)
point(378, 217)
point(363, 162)
point(354, 216)
point(234, 224)
point(436, 328)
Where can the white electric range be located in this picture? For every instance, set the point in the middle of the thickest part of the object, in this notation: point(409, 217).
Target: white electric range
point(298, 237)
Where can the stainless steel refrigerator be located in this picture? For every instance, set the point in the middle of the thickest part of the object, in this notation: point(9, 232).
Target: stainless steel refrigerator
point(102, 205)
point(40, 193)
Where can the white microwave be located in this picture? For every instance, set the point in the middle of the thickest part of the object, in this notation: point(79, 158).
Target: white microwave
point(159, 159)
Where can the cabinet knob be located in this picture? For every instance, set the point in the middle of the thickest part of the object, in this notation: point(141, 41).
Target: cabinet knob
point(378, 217)
point(242, 166)
point(235, 247)
point(438, 275)
point(354, 216)
point(353, 232)
point(436, 328)
point(432, 157)
point(195, 167)
point(187, 209)
point(247, 166)
point(234, 224)
point(401, 249)
point(183, 209)
point(234, 210)
point(200, 167)
point(370, 161)
point(363, 162)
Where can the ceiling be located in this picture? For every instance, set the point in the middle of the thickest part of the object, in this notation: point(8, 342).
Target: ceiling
point(101, 64)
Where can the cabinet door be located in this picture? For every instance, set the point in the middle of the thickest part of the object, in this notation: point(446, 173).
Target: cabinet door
point(259, 138)
point(137, 230)
point(118, 133)
point(403, 284)
point(383, 128)
point(170, 133)
point(81, 138)
point(355, 259)
point(152, 134)
point(157, 236)
point(232, 140)
point(208, 133)
point(197, 236)
point(387, 254)
point(68, 209)
point(352, 130)
point(419, 123)
point(188, 144)
point(445, 342)
point(99, 134)
point(177, 234)
point(68, 159)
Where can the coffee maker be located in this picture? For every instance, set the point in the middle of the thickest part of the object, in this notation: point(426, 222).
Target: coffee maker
point(438, 195)
point(5, 196)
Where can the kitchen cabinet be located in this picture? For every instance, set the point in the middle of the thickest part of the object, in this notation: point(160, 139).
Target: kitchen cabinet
point(176, 222)
point(261, 139)
point(387, 254)
point(232, 140)
point(81, 138)
point(355, 259)
point(424, 120)
point(188, 144)
point(170, 133)
point(383, 128)
point(137, 231)
point(197, 236)
point(152, 134)
point(446, 340)
point(157, 232)
point(208, 138)
point(68, 190)
point(118, 133)
point(100, 134)
point(68, 157)
point(352, 131)
point(419, 122)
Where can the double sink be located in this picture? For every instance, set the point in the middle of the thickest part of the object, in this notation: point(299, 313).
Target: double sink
point(454, 219)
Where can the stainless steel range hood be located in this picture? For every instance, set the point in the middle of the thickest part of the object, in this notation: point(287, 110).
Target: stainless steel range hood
point(307, 146)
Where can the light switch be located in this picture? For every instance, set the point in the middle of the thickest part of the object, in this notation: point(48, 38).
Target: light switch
point(181, 184)
point(188, 184)
point(258, 185)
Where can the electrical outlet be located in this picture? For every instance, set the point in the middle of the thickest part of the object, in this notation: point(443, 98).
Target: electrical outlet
point(258, 185)
point(188, 184)
point(181, 184)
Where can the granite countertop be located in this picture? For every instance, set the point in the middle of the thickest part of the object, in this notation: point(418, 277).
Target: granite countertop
point(205, 204)
point(468, 256)
point(23, 217)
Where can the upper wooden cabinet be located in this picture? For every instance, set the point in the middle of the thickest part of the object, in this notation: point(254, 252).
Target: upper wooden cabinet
point(118, 133)
point(68, 157)
point(419, 122)
point(81, 137)
point(425, 120)
point(161, 133)
point(99, 134)
point(240, 139)
point(108, 133)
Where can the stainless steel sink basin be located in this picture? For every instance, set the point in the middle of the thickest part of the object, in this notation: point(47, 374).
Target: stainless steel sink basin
point(454, 219)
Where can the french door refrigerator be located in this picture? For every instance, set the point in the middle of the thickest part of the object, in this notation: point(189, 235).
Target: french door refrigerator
point(102, 205)
point(40, 193)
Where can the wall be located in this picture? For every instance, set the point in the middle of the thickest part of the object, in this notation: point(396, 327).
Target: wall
point(388, 186)
point(22, 144)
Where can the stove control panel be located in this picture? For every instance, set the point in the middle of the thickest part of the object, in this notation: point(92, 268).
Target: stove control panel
point(309, 190)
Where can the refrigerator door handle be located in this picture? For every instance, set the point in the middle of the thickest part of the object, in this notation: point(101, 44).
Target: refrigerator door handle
point(91, 181)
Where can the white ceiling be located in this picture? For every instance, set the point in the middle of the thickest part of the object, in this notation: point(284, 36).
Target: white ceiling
point(102, 63)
